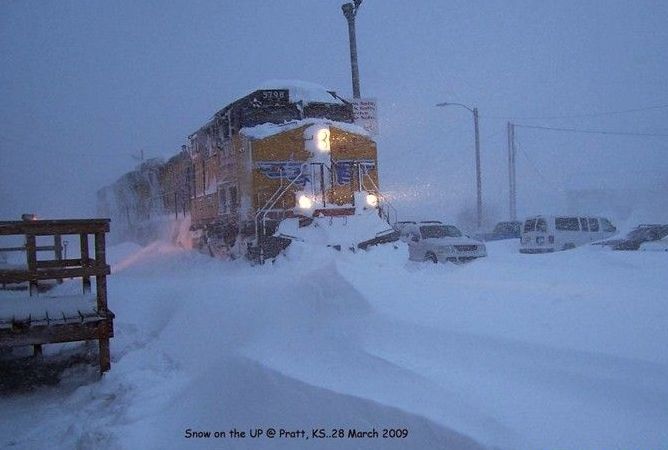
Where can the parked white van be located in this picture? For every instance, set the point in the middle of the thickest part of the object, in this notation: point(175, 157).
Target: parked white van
point(543, 234)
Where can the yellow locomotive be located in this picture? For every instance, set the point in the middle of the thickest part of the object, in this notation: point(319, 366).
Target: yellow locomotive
point(286, 150)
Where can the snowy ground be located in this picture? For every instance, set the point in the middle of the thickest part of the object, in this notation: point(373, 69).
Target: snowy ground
point(561, 351)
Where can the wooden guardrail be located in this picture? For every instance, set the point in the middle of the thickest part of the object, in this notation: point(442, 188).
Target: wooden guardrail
point(36, 321)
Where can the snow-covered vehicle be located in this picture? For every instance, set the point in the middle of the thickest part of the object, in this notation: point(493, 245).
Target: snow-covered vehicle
point(401, 224)
point(545, 234)
point(642, 234)
point(383, 237)
point(502, 230)
point(437, 242)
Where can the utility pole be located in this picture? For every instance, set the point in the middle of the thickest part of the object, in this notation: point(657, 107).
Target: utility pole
point(512, 185)
point(350, 11)
point(477, 167)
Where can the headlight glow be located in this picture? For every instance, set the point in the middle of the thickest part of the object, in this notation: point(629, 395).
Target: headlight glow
point(372, 200)
point(322, 137)
point(305, 202)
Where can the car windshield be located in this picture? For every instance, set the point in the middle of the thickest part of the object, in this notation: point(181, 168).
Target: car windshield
point(530, 225)
point(439, 231)
point(507, 227)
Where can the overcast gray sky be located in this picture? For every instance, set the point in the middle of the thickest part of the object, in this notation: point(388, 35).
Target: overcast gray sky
point(86, 84)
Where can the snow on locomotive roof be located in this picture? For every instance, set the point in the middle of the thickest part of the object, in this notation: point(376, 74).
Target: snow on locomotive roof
point(269, 129)
point(303, 91)
point(299, 91)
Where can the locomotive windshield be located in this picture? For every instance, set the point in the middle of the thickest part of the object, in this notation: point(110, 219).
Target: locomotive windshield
point(439, 231)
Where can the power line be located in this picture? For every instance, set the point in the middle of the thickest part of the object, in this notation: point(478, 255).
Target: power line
point(535, 168)
point(605, 132)
point(578, 116)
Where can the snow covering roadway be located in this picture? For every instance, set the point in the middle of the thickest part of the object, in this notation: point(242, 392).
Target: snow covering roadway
point(561, 351)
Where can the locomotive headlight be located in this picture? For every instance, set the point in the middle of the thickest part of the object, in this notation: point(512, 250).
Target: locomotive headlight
point(305, 202)
point(372, 200)
point(322, 139)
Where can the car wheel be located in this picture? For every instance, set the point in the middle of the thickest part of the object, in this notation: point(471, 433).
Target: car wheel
point(569, 246)
point(431, 257)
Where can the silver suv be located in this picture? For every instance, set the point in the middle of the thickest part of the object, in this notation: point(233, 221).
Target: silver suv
point(434, 241)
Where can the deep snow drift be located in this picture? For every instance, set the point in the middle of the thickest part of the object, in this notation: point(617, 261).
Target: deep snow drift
point(513, 351)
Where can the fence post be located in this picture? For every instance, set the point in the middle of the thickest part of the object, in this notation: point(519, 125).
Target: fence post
point(58, 250)
point(101, 285)
point(85, 261)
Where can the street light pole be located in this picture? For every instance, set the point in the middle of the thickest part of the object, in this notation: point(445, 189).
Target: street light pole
point(477, 167)
point(477, 158)
point(350, 11)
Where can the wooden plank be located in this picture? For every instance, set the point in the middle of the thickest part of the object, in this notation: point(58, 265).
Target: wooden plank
point(31, 256)
point(58, 250)
point(105, 355)
point(55, 273)
point(59, 263)
point(39, 248)
point(13, 249)
point(56, 334)
point(103, 345)
point(51, 227)
point(101, 279)
point(58, 247)
point(96, 220)
point(83, 239)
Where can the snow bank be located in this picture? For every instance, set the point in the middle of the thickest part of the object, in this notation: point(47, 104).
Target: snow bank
point(512, 351)
point(346, 231)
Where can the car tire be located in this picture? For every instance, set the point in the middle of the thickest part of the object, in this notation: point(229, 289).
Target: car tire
point(430, 256)
point(569, 246)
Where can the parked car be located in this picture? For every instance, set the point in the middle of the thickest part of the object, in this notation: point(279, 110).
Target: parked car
point(437, 242)
point(543, 234)
point(655, 246)
point(636, 237)
point(502, 230)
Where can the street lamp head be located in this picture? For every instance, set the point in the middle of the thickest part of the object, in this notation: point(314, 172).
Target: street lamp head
point(456, 104)
point(348, 10)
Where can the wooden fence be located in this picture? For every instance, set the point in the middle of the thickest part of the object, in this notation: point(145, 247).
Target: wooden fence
point(36, 320)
